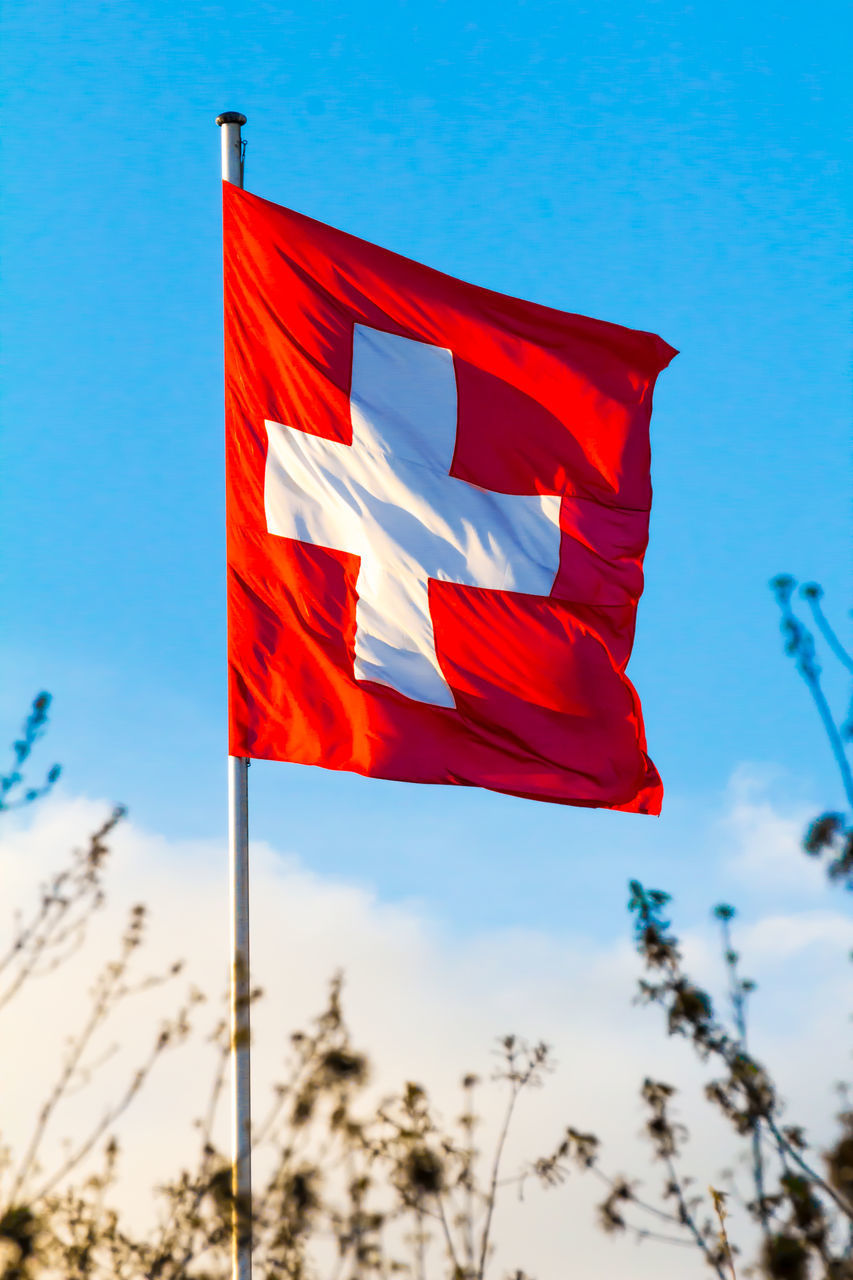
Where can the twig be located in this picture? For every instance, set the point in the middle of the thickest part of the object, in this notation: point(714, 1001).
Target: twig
point(813, 593)
point(517, 1082)
point(688, 1220)
point(738, 991)
point(34, 727)
point(800, 645)
point(789, 1150)
point(719, 1200)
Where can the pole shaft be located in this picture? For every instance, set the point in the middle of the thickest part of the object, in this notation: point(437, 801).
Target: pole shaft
point(240, 997)
point(230, 123)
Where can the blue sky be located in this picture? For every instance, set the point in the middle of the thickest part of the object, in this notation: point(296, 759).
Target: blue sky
point(679, 168)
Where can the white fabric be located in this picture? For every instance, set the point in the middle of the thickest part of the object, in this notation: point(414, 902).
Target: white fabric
point(389, 498)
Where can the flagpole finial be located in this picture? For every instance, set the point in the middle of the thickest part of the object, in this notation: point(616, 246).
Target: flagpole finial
point(231, 122)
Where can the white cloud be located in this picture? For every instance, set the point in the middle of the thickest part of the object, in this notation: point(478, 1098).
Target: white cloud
point(426, 1006)
point(782, 936)
point(764, 839)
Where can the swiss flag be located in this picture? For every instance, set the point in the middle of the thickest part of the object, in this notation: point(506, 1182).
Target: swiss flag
point(438, 505)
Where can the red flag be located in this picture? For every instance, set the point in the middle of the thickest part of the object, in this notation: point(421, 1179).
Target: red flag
point(438, 505)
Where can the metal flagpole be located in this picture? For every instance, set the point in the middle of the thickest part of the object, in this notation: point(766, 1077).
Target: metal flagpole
point(230, 123)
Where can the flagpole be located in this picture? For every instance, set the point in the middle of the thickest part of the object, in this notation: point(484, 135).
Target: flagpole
point(231, 122)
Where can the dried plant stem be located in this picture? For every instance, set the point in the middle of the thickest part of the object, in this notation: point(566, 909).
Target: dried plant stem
point(491, 1195)
point(719, 1201)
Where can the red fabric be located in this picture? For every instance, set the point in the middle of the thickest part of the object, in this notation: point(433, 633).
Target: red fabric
point(548, 403)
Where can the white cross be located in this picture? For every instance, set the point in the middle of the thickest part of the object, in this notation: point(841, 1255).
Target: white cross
point(390, 499)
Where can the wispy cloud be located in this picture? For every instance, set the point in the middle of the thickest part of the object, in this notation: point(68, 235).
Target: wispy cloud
point(762, 834)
